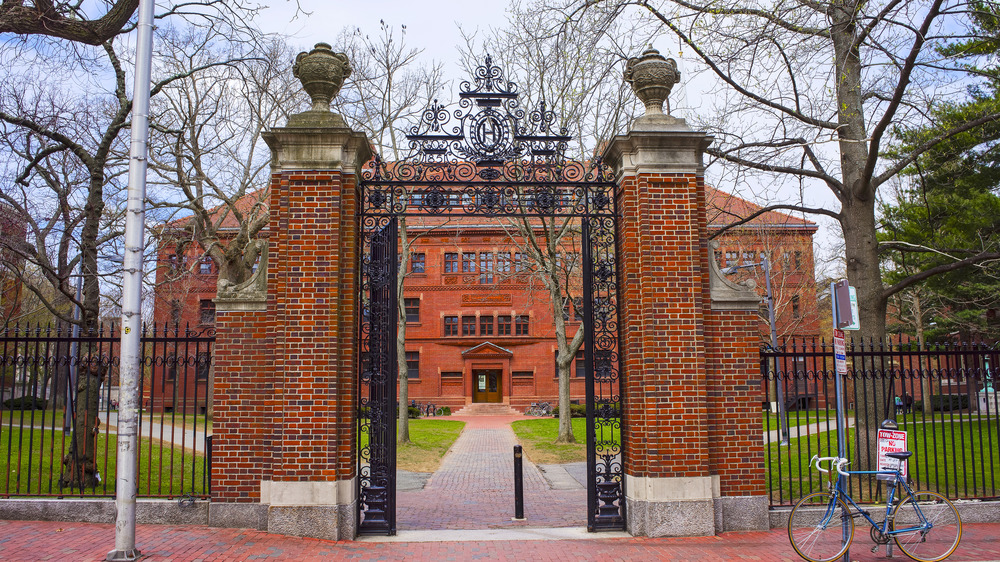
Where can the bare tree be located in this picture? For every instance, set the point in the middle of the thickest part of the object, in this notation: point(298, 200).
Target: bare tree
point(387, 89)
point(812, 92)
point(207, 154)
point(577, 77)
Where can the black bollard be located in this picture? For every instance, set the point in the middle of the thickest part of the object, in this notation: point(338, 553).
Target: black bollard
point(518, 484)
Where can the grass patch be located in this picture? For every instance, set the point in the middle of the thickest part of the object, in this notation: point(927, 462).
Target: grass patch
point(430, 439)
point(769, 420)
point(538, 437)
point(34, 465)
point(42, 418)
point(950, 457)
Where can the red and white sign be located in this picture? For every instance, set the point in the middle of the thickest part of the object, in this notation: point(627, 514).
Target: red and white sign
point(891, 441)
point(839, 352)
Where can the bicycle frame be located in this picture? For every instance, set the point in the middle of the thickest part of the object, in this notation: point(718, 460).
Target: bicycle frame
point(838, 491)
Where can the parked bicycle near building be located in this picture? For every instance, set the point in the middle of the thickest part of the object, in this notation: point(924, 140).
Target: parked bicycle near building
point(924, 525)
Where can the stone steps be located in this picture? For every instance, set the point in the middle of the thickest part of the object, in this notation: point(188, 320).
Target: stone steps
point(486, 409)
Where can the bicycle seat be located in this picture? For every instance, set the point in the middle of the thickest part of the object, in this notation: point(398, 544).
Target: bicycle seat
point(903, 455)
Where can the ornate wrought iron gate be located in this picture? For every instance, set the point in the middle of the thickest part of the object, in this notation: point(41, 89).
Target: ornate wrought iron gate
point(488, 158)
point(377, 402)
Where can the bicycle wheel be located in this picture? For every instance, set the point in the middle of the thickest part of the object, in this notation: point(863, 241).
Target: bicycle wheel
point(929, 525)
point(819, 529)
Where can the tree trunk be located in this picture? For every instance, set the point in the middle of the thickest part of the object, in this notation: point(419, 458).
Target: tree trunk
point(565, 409)
point(858, 220)
point(403, 431)
point(925, 380)
point(79, 465)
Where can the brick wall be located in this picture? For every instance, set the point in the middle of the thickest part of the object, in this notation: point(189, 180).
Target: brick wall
point(662, 276)
point(312, 278)
point(243, 427)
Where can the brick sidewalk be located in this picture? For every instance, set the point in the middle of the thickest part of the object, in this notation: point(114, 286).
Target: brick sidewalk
point(47, 540)
point(474, 487)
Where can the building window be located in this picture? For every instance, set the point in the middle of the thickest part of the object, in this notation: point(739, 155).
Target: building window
point(578, 309)
point(468, 262)
point(205, 266)
point(748, 258)
point(413, 365)
point(206, 312)
point(412, 309)
point(522, 374)
point(204, 362)
point(718, 257)
point(503, 263)
point(468, 325)
point(451, 263)
point(451, 325)
point(798, 261)
point(485, 267)
point(453, 377)
point(175, 312)
point(417, 262)
point(485, 325)
point(732, 258)
point(521, 325)
point(581, 365)
point(503, 325)
point(171, 371)
point(520, 263)
point(795, 307)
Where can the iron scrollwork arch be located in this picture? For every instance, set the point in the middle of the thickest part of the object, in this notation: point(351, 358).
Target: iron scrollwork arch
point(489, 157)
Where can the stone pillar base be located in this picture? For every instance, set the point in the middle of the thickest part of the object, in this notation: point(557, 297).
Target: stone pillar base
point(693, 506)
point(741, 513)
point(330, 522)
point(322, 510)
point(670, 518)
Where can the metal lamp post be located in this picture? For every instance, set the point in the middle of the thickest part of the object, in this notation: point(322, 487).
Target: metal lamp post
point(765, 265)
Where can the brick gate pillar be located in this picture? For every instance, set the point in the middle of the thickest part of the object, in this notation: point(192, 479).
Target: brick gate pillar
point(285, 396)
point(692, 434)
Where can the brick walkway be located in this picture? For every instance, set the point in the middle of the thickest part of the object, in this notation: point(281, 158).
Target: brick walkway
point(474, 487)
point(47, 540)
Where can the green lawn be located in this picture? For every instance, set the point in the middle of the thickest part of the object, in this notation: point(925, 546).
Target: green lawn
point(800, 417)
point(165, 472)
point(538, 437)
point(954, 470)
point(430, 439)
point(42, 418)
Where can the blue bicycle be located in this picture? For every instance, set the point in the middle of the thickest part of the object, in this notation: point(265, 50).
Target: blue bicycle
point(924, 525)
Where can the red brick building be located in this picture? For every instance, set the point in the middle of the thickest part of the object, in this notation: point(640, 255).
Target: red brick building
point(479, 328)
point(12, 234)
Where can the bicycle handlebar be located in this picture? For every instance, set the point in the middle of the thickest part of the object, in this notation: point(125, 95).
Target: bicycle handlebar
point(835, 462)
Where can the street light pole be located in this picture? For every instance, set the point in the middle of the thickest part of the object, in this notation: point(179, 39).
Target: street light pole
point(126, 477)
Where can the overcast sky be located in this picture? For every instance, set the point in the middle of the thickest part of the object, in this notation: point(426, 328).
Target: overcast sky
point(432, 25)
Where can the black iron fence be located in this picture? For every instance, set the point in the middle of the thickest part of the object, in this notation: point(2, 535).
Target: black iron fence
point(58, 412)
point(944, 396)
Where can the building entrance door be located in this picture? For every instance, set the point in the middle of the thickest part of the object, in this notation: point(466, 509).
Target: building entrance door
point(486, 386)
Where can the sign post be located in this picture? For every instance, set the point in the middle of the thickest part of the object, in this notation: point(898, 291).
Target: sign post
point(840, 300)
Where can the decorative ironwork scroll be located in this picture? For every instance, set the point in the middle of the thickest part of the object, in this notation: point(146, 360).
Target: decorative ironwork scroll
point(489, 157)
point(377, 392)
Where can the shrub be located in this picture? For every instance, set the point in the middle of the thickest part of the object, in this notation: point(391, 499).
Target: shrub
point(575, 411)
point(949, 402)
point(413, 412)
point(446, 411)
point(25, 403)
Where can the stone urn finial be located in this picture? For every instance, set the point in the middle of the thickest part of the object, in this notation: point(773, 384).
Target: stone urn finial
point(652, 77)
point(322, 73)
